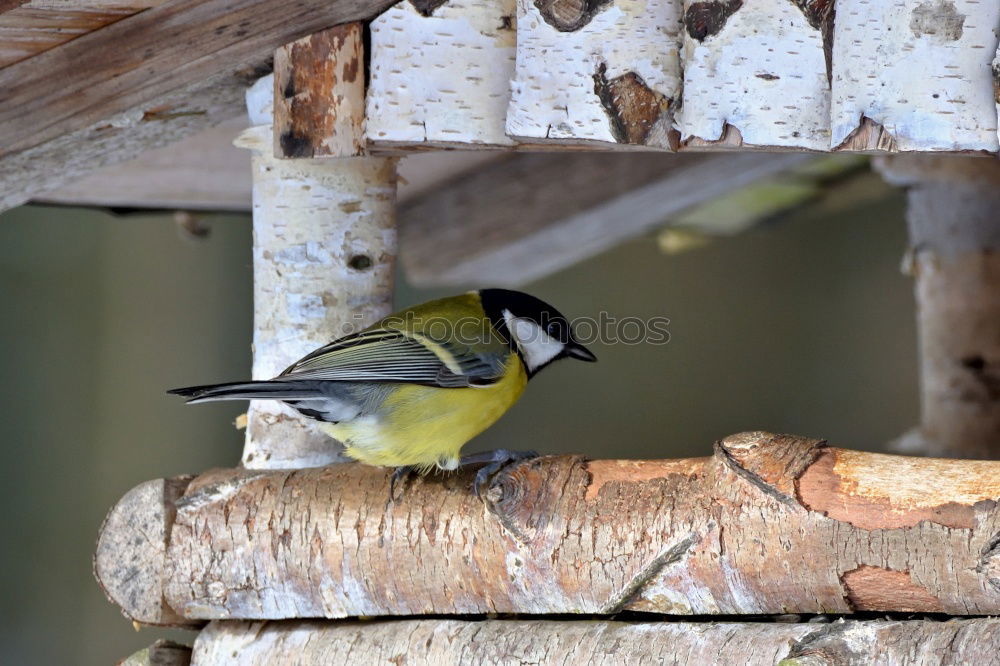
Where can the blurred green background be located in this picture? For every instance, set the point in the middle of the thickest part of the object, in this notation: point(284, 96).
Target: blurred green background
point(804, 324)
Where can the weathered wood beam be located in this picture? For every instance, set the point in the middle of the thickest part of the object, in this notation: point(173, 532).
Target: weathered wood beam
point(601, 643)
point(144, 81)
point(952, 212)
point(768, 524)
point(203, 171)
point(28, 27)
point(324, 259)
point(568, 207)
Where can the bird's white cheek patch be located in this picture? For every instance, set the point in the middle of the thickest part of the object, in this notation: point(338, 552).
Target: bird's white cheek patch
point(537, 346)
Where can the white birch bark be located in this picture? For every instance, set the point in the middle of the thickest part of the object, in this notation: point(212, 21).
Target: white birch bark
point(601, 643)
point(758, 68)
point(324, 255)
point(920, 69)
point(612, 77)
point(442, 79)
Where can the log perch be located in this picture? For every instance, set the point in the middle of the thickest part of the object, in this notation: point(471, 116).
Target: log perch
point(768, 524)
point(560, 642)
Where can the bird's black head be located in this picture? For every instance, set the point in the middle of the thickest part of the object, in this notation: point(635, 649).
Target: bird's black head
point(534, 329)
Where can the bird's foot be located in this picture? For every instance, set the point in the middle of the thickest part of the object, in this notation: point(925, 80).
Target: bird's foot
point(400, 475)
point(495, 461)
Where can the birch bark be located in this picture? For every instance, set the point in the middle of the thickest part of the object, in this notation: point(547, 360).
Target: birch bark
point(324, 256)
point(603, 73)
point(440, 74)
point(917, 642)
point(769, 524)
point(914, 75)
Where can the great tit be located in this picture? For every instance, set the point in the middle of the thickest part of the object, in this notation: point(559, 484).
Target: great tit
point(410, 390)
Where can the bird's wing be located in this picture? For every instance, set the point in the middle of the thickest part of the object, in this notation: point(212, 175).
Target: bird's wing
point(391, 355)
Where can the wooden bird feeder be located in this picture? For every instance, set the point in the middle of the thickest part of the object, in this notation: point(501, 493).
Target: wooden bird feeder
point(584, 124)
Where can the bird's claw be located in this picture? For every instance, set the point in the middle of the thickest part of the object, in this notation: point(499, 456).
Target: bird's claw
point(399, 475)
point(496, 461)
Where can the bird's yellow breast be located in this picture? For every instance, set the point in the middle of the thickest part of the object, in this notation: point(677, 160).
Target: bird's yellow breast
point(426, 426)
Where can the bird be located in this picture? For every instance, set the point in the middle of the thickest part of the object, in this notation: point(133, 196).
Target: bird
point(409, 391)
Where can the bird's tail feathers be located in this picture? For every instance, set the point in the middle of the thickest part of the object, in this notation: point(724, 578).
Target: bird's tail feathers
point(263, 390)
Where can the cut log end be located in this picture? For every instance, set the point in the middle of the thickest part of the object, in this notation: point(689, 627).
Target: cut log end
point(129, 563)
point(160, 653)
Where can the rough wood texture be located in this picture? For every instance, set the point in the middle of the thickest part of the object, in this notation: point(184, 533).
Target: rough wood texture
point(914, 643)
point(607, 75)
point(144, 81)
point(160, 653)
point(30, 27)
point(920, 69)
point(324, 257)
point(955, 238)
point(440, 74)
point(132, 547)
point(464, 234)
point(769, 524)
point(203, 171)
point(319, 95)
point(771, 85)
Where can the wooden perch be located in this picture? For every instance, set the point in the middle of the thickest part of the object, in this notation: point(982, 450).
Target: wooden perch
point(601, 643)
point(952, 212)
point(768, 524)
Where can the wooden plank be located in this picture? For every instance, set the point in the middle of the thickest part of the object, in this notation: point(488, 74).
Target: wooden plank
point(204, 171)
point(29, 28)
point(768, 524)
point(144, 81)
point(529, 215)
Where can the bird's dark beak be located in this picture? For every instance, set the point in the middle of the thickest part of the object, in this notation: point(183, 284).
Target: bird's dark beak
point(576, 350)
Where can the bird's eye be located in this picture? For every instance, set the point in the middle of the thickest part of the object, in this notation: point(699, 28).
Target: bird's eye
point(554, 329)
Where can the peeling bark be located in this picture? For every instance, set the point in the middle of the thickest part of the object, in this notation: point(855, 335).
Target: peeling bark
point(920, 69)
point(600, 643)
point(596, 73)
point(441, 78)
point(955, 237)
point(324, 260)
point(741, 532)
point(319, 95)
point(755, 75)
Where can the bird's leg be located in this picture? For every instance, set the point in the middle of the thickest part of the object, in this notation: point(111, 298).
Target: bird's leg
point(495, 461)
point(400, 474)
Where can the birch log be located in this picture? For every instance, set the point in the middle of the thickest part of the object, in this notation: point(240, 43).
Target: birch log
point(602, 72)
point(952, 211)
point(324, 254)
point(756, 74)
point(768, 524)
point(914, 75)
point(916, 643)
point(440, 74)
point(319, 94)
